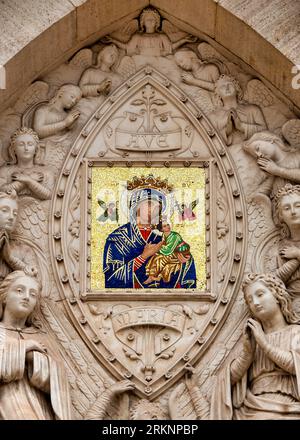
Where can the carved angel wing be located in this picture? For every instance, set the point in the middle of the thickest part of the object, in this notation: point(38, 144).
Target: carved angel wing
point(125, 33)
point(85, 376)
point(82, 59)
point(184, 408)
point(211, 55)
point(257, 93)
point(126, 67)
point(34, 94)
point(172, 31)
point(202, 98)
point(291, 132)
point(32, 220)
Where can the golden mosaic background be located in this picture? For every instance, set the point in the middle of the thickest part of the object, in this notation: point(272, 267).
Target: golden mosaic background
point(108, 185)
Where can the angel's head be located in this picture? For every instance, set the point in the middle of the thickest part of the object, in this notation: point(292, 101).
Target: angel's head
point(108, 56)
point(145, 410)
point(24, 146)
point(266, 295)
point(286, 209)
point(8, 210)
point(68, 95)
point(185, 58)
point(265, 144)
point(227, 86)
point(19, 298)
point(149, 21)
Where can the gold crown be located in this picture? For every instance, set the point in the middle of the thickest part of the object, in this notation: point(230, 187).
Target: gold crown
point(149, 182)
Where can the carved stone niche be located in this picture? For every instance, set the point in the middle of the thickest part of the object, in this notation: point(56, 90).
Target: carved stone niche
point(148, 335)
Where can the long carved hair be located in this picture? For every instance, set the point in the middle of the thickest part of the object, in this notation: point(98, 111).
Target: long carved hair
point(12, 151)
point(65, 88)
point(32, 319)
point(284, 191)
point(278, 290)
point(265, 136)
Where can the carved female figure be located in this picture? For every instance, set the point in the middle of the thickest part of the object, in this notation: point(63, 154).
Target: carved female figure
point(101, 79)
point(150, 42)
point(196, 72)
point(279, 163)
point(33, 382)
point(263, 382)
point(54, 117)
point(286, 208)
point(234, 115)
point(24, 173)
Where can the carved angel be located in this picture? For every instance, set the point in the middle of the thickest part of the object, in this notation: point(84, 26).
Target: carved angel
point(54, 118)
point(234, 115)
point(286, 210)
point(149, 41)
point(196, 72)
point(101, 79)
point(279, 162)
point(14, 255)
point(262, 381)
point(25, 172)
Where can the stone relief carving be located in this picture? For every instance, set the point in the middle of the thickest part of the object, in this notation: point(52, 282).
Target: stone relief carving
point(233, 115)
point(264, 377)
point(150, 95)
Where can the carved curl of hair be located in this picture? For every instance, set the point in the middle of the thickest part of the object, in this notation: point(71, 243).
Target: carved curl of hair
point(21, 132)
point(9, 194)
point(153, 408)
point(4, 286)
point(277, 288)
point(285, 191)
point(153, 13)
point(237, 86)
point(266, 136)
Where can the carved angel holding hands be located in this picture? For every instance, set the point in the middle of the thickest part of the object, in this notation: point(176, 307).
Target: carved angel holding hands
point(235, 116)
point(57, 116)
point(33, 381)
point(262, 382)
point(25, 173)
point(196, 72)
point(102, 79)
point(279, 162)
point(14, 255)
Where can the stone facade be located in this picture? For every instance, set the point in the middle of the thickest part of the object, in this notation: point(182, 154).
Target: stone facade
point(149, 204)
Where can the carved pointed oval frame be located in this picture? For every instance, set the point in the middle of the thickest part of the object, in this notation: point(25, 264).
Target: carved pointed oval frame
point(75, 295)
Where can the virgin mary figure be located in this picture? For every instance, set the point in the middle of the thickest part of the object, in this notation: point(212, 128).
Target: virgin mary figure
point(128, 248)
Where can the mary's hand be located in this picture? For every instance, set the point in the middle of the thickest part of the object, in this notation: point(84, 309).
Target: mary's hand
point(150, 250)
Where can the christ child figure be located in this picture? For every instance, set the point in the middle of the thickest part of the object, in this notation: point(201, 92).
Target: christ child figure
point(173, 252)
